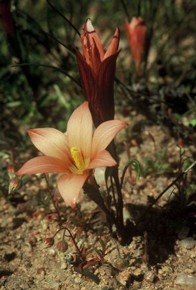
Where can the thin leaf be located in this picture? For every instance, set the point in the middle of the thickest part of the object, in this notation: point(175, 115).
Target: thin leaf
point(136, 166)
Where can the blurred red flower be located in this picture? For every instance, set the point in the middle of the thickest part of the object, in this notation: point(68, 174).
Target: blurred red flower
point(136, 33)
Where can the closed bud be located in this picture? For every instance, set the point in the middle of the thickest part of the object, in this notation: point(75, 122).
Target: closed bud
point(49, 242)
point(62, 246)
point(136, 34)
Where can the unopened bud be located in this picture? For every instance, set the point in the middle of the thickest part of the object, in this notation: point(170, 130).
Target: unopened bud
point(62, 246)
point(49, 242)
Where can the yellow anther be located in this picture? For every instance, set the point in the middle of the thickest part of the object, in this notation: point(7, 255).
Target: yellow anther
point(77, 158)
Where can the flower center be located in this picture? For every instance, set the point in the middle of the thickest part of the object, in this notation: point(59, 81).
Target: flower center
point(78, 159)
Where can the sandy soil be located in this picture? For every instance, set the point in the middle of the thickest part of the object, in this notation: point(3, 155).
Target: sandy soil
point(160, 255)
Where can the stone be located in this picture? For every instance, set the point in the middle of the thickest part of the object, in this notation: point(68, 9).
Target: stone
point(186, 280)
point(187, 243)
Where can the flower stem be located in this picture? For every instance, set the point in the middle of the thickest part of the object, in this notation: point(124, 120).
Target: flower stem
point(53, 201)
point(94, 194)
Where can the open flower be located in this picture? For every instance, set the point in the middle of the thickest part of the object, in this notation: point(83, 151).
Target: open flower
point(74, 154)
point(136, 33)
point(97, 72)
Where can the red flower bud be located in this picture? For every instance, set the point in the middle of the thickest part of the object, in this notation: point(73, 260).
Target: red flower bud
point(136, 33)
point(97, 72)
point(62, 246)
point(49, 242)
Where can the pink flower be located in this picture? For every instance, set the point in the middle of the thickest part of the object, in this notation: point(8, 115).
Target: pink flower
point(74, 154)
point(136, 33)
point(97, 72)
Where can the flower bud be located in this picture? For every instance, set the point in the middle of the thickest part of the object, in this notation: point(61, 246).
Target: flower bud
point(136, 33)
point(49, 242)
point(62, 246)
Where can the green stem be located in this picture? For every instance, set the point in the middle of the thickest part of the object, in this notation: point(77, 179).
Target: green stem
point(119, 207)
point(119, 204)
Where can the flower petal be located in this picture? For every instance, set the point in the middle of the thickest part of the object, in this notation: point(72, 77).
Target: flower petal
point(80, 129)
point(113, 47)
point(136, 33)
point(93, 38)
point(87, 76)
point(92, 49)
point(42, 164)
point(105, 82)
point(104, 134)
point(69, 187)
point(103, 159)
point(50, 142)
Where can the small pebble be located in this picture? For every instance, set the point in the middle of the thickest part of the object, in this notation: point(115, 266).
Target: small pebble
point(100, 175)
point(186, 280)
point(123, 277)
point(18, 237)
point(54, 285)
point(41, 271)
point(44, 226)
point(150, 276)
point(187, 243)
point(193, 255)
point(138, 253)
point(137, 272)
point(63, 266)
point(77, 280)
point(105, 270)
point(120, 263)
point(189, 271)
point(166, 270)
point(51, 252)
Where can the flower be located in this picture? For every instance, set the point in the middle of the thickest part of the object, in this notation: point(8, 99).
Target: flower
point(136, 33)
point(74, 154)
point(97, 72)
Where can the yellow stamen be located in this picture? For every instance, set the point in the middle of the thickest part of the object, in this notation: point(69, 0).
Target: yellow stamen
point(78, 159)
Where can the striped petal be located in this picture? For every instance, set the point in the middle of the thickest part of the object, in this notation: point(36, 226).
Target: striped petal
point(103, 159)
point(80, 129)
point(87, 76)
point(69, 187)
point(113, 47)
point(104, 134)
point(50, 142)
point(42, 164)
point(93, 38)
